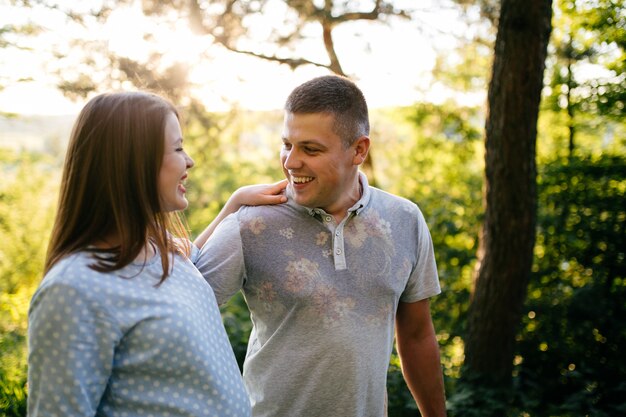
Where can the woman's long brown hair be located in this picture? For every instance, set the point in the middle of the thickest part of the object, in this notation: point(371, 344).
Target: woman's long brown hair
point(109, 184)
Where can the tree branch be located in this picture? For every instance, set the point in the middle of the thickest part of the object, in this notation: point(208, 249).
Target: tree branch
point(292, 62)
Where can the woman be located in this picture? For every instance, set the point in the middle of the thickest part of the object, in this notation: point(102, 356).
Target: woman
point(123, 324)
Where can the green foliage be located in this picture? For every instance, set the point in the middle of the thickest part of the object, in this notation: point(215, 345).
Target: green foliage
point(570, 347)
point(28, 180)
point(12, 394)
point(474, 397)
point(569, 360)
point(27, 197)
point(594, 135)
point(237, 322)
point(586, 66)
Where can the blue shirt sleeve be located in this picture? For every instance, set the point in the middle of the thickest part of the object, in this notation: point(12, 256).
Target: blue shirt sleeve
point(71, 347)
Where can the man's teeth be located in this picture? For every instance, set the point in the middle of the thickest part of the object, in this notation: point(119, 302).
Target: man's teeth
point(301, 180)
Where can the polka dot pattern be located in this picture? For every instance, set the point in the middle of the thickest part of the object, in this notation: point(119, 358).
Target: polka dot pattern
point(108, 345)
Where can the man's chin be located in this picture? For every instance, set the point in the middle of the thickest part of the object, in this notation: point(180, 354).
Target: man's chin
point(301, 200)
point(298, 199)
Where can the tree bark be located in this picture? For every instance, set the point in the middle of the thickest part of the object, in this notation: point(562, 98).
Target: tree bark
point(508, 235)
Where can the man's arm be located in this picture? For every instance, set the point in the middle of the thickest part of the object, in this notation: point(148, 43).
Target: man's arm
point(221, 261)
point(419, 355)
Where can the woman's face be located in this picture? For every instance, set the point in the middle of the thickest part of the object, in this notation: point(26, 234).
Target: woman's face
point(174, 168)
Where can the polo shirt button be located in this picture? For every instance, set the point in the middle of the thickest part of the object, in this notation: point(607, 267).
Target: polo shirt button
point(327, 218)
point(338, 251)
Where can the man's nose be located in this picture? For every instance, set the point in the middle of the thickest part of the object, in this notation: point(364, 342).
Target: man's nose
point(292, 160)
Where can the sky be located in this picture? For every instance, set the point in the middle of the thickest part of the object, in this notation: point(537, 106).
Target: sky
point(391, 63)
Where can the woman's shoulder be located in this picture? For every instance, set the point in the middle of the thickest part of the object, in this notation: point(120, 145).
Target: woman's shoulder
point(69, 278)
point(69, 266)
point(73, 271)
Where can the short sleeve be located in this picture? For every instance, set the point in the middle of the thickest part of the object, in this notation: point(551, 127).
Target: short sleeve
point(221, 260)
point(71, 349)
point(424, 280)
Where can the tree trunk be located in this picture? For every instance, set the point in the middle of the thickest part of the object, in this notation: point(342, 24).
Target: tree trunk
point(570, 109)
point(508, 235)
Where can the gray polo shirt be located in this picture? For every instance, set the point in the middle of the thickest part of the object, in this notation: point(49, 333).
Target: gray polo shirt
point(322, 298)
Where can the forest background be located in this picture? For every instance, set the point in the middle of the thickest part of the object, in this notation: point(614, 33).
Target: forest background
point(568, 335)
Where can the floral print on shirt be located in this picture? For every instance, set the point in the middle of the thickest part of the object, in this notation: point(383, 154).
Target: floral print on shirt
point(300, 275)
point(256, 225)
point(321, 238)
point(329, 306)
point(316, 297)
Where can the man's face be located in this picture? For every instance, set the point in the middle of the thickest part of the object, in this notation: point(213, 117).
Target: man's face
point(321, 172)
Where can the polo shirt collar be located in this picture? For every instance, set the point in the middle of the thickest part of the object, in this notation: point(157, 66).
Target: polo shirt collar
point(357, 208)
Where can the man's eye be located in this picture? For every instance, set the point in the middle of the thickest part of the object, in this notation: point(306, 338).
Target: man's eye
point(179, 149)
point(311, 150)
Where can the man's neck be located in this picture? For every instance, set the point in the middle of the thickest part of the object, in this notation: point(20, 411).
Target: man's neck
point(353, 197)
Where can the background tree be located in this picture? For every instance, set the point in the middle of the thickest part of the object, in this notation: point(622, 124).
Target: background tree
point(12, 37)
point(292, 32)
point(294, 41)
point(225, 22)
point(508, 234)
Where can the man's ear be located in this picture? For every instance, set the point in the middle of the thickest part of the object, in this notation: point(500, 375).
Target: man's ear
point(361, 147)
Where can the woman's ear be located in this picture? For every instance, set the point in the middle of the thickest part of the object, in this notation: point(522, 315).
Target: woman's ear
point(361, 148)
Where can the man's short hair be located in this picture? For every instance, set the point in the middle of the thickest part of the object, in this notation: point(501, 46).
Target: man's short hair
point(336, 95)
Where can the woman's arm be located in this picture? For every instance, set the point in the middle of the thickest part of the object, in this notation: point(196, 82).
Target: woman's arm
point(249, 195)
point(71, 348)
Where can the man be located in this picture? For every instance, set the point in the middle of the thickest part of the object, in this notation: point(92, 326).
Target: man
point(328, 274)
